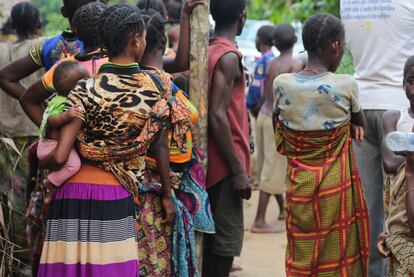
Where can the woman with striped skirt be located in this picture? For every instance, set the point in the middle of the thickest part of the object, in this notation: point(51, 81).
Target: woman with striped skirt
point(123, 111)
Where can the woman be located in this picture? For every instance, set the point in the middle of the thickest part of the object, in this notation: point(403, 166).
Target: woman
point(316, 111)
point(14, 124)
point(32, 102)
point(44, 54)
point(176, 254)
point(125, 111)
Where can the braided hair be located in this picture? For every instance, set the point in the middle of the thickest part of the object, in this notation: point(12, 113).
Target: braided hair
point(155, 5)
point(116, 24)
point(320, 29)
point(408, 64)
point(84, 21)
point(71, 6)
point(25, 19)
point(155, 30)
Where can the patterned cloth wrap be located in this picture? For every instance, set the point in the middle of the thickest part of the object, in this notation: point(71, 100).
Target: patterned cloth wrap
point(168, 110)
point(192, 193)
point(327, 217)
point(401, 263)
point(183, 255)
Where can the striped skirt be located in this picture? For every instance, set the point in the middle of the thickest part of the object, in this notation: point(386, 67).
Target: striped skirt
point(90, 228)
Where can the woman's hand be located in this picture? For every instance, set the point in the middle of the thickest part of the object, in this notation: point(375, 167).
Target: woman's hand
point(189, 6)
point(382, 247)
point(169, 210)
point(357, 132)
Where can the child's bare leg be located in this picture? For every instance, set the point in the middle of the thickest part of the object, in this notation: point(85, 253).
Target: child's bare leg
point(259, 224)
point(280, 200)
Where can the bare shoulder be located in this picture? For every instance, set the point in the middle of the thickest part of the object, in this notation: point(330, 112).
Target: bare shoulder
point(228, 61)
point(297, 65)
point(391, 116)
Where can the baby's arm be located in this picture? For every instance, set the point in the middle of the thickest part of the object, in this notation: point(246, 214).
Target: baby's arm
point(390, 160)
point(61, 119)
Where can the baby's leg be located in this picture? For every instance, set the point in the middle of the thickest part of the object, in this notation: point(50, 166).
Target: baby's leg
point(44, 148)
point(71, 167)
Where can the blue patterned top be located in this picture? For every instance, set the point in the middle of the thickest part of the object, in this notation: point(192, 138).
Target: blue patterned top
point(311, 103)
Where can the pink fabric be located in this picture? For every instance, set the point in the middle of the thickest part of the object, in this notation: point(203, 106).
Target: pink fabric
point(71, 167)
point(217, 168)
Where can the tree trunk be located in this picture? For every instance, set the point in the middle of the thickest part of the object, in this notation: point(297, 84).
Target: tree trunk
point(200, 27)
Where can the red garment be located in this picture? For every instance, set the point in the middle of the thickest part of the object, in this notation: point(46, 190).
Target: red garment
point(236, 114)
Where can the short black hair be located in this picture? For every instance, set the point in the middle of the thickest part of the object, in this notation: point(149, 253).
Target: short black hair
point(285, 37)
point(156, 5)
point(116, 24)
point(84, 21)
point(25, 19)
point(65, 68)
point(155, 24)
point(72, 5)
point(320, 29)
point(174, 10)
point(226, 12)
point(266, 34)
point(408, 64)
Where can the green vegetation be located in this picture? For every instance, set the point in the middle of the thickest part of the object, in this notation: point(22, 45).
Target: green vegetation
point(53, 22)
point(280, 11)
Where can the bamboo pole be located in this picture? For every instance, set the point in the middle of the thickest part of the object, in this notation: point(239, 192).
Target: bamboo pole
point(200, 27)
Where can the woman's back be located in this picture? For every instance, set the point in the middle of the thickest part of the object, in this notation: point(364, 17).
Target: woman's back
point(117, 102)
point(311, 103)
point(13, 120)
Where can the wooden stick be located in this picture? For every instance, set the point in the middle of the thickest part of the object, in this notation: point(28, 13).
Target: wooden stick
point(200, 27)
point(199, 72)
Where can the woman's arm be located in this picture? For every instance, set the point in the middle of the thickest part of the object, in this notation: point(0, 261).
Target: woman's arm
point(32, 100)
point(181, 62)
point(162, 157)
point(58, 157)
point(11, 74)
point(358, 119)
point(390, 160)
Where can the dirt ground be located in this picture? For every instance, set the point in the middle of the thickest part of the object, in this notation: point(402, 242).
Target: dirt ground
point(263, 254)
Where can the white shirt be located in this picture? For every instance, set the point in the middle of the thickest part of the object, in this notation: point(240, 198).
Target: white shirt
point(380, 36)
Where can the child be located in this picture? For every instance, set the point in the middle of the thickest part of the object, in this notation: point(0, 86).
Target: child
point(398, 243)
point(65, 78)
point(327, 217)
point(264, 43)
point(271, 165)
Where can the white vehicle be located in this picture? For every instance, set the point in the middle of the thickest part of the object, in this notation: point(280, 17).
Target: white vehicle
point(246, 43)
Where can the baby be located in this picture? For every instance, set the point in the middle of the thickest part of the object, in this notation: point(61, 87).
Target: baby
point(56, 115)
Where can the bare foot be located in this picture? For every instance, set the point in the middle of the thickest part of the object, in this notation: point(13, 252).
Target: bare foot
point(264, 228)
point(282, 216)
point(50, 190)
point(236, 267)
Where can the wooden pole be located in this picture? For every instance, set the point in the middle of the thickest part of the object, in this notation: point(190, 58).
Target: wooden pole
point(200, 27)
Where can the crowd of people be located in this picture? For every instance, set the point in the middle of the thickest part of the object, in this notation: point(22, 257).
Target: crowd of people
point(112, 184)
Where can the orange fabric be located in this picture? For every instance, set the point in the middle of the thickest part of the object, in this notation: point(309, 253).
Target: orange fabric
point(93, 175)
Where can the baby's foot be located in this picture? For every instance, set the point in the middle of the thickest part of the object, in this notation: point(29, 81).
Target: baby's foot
point(50, 190)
